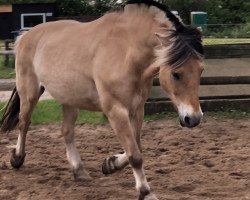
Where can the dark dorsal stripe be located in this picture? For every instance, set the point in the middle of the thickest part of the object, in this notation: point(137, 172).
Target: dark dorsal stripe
point(176, 22)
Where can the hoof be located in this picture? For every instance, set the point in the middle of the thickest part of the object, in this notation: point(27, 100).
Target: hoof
point(146, 195)
point(16, 161)
point(108, 166)
point(81, 174)
point(151, 197)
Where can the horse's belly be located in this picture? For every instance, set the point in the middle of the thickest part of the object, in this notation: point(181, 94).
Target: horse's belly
point(77, 93)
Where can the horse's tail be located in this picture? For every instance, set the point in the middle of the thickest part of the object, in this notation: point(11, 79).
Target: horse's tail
point(10, 116)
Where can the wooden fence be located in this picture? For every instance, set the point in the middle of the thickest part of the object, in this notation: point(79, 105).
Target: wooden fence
point(208, 103)
point(213, 103)
point(7, 51)
point(211, 51)
point(227, 51)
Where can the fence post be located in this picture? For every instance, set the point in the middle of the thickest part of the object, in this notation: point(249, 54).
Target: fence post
point(7, 48)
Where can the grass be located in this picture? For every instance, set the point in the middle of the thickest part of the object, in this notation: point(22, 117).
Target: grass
point(50, 112)
point(229, 114)
point(7, 71)
point(214, 41)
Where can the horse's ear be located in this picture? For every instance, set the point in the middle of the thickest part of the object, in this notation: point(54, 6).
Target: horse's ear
point(162, 38)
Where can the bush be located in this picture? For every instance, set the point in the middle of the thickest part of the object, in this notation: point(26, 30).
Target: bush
point(232, 31)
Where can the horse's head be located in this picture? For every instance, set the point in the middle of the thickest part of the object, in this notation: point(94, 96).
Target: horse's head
point(181, 64)
point(182, 86)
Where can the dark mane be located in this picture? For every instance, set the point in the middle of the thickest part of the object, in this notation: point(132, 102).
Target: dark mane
point(186, 43)
point(175, 21)
point(186, 40)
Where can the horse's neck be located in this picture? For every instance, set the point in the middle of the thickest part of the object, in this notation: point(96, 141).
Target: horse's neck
point(143, 30)
point(138, 26)
point(157, 15)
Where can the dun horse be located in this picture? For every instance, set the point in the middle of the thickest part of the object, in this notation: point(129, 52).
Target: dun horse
point(107, 65)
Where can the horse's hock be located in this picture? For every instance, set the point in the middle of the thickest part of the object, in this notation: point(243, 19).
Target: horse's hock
point(225, 82)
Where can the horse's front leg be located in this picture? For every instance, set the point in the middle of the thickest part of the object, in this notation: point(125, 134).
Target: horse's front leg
point(69, 118)
point(119, 161)
point(114, 163)
point(121, 123)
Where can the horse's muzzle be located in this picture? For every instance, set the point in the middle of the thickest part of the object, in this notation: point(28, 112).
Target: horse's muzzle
point(190, 121)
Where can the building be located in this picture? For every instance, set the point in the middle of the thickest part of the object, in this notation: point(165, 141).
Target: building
point(17, 17)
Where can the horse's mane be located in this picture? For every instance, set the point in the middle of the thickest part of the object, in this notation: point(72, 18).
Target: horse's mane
point(185, 41)
point(176, 22)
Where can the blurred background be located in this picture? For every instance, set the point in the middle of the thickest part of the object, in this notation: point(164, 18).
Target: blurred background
point(224, 18)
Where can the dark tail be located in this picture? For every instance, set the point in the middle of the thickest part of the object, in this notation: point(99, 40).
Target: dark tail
point(10, 116)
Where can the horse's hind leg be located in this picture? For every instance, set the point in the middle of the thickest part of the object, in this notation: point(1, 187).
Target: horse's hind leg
point(29, 93)
point(69, 118)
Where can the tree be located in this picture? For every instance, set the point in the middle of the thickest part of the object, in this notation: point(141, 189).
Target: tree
point(219, 11)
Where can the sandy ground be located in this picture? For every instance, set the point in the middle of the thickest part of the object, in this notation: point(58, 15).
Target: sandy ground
point(211, 161)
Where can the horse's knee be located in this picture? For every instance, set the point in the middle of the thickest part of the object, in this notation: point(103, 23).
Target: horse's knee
point(136, 161)
point(16, 160)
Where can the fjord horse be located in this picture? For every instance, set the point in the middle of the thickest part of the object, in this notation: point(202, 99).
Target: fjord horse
point(107, 65)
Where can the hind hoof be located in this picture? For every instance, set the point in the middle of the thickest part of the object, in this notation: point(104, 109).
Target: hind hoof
point(16, 161)
point(151, 197)
point(148, 197)
point(81, 174)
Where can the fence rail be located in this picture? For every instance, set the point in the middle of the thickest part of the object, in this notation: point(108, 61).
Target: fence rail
point(227, 51)
point(208, 103)
point(154, 105)
point(217, 80)
point(211, 51)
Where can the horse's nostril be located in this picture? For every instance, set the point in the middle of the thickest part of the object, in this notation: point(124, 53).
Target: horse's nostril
point(187, 120)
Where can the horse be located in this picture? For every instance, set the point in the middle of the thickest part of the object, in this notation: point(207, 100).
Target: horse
point(107, 65)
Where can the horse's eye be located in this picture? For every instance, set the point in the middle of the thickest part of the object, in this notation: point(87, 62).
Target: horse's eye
point(176, 76)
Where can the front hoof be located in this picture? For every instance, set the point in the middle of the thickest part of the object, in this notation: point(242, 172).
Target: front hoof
point(81, 174)
point(108, 166)
point(16, 161)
